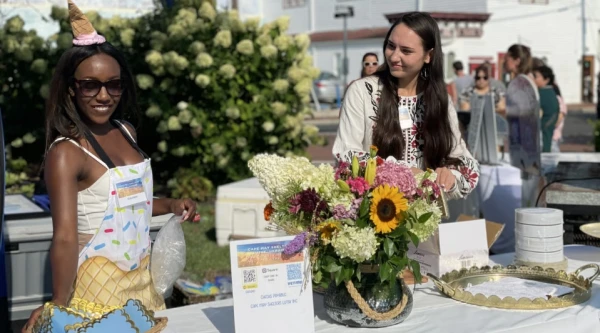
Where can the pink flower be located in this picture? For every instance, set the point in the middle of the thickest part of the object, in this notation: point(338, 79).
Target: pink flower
point(396, 175)
point(342, 170)
point(358, 185)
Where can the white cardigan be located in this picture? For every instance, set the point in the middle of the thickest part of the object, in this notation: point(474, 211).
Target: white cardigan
point(355, 133)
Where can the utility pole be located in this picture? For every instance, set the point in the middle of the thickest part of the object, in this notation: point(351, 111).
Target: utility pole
point(583, 29)
point(344, 12)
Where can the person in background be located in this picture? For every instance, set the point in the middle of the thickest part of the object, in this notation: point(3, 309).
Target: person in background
point(543, 77)
point(461, 82)
point(562, 109)
point(482, 87)
point(495, 84)
point(369, 64)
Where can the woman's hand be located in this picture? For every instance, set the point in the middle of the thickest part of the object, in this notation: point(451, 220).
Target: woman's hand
point(415, 171)
point(32, 319)
point(179, 206)
point(445, 179)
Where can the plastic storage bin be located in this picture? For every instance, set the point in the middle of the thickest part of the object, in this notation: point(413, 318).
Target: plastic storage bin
point(240, 211)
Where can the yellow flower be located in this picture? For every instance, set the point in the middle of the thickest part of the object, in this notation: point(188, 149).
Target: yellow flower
point(327, 230)
point(386, 208)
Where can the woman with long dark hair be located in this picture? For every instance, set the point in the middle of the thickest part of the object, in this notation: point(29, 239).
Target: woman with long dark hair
point(99, 181)
point(404, 110)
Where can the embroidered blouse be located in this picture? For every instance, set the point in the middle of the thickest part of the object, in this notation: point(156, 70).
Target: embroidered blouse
point(356, 126)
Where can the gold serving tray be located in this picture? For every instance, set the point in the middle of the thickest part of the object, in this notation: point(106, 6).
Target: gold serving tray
point(452, 284)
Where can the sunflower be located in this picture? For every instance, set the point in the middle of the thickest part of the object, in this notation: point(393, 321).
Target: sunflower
point(386, 208)
point(327, 229)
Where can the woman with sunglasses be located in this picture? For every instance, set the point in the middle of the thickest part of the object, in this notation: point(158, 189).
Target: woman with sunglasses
point(405, 111)
point(99, 181)
point(369, 64)
point(482, 87)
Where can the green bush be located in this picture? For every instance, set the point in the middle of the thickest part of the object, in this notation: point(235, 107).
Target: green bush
point(214, 90)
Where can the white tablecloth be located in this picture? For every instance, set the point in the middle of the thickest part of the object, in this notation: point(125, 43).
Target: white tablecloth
point(432, 312)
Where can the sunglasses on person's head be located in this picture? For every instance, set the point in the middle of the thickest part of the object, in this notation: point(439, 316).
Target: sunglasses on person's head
point(485, 78)
point(91, 88)
point(367, 64)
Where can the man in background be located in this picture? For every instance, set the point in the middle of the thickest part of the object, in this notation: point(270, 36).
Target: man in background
point(461, 82)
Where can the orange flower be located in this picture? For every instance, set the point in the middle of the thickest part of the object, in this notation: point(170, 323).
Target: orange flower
point(268, 211)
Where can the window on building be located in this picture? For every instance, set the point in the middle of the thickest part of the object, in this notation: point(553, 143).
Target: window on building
point(450, 58)
point(534, 2)
point(293, 3)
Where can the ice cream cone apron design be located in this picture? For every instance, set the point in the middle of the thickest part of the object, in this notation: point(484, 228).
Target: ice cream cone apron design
point(114, 266)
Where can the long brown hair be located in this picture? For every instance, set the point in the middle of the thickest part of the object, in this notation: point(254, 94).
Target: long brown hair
point(437, 132)
point(62, 116)
point(523, 53)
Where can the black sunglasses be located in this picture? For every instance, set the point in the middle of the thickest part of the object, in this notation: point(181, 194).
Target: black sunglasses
point(482, 78)
point(367, 64)
point(91, 88)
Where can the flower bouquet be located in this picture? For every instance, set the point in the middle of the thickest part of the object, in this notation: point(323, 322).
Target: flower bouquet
point(358, 220)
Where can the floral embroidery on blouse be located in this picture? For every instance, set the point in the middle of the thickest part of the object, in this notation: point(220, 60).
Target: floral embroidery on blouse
point(467, 168)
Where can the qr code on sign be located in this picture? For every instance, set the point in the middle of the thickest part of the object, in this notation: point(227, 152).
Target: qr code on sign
point(249, 276)
point(294, 272)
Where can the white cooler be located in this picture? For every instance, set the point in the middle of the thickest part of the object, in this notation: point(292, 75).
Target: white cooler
point(240, 211)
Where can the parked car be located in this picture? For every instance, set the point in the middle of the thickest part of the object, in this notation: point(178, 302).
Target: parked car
point(328, 88)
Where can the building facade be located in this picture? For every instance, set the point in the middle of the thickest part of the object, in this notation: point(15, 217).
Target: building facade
point(473, 31)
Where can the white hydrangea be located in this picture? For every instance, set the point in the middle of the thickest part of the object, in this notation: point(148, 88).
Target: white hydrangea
point(281, 85)
point(303, 87)
point(228, 71)
point(283, 42)
point(252, 23)
point(245, 47)
point(296, 74)
point(264, 40)
point(302, 41)
point(197, 47)
point(154, 59)
point(182, 105)
point(279, 109)
point(232, 112)
point(29, 138)
point(173, 124)
point(425, 230)
point(223, 38)
point(306, 62)
point(268, 51)
point(268, 126)
point(204, 60)
point(202, 80)
point(273, 140)
point(185, 116)
point(223, 162)
point(162, 146)
point(153, 111)
point(283, 23)
point(144, 81)
point(358, 244)
point(127, 36)
point(179, 151)
point(207, 11)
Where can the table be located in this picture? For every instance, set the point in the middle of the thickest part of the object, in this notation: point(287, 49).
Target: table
point(432, 312)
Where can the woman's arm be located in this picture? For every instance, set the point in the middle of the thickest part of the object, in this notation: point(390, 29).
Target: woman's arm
point(63, 166)
point(466, 171)
point(351, 129)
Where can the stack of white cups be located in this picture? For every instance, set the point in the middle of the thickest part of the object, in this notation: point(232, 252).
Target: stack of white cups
point(539, 238)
